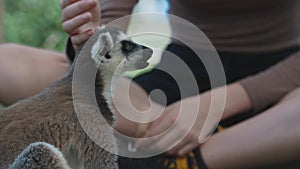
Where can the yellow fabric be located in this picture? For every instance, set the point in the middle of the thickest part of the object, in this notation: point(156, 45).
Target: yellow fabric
point(182, 163)
point(220, 128)
point(189, 161)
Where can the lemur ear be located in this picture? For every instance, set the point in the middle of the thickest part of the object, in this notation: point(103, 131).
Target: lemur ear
point(102, 45)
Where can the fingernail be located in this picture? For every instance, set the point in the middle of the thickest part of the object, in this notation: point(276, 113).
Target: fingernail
point(90, 32)
point(91, 2)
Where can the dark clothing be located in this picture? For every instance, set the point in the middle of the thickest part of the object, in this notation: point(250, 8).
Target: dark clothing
point(236, 66)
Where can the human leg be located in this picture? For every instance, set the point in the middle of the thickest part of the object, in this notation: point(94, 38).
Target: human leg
point(25, 71)
point(158, 80)
point(270, 138)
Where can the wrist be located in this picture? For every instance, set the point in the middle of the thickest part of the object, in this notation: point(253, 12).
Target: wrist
point(237, 101)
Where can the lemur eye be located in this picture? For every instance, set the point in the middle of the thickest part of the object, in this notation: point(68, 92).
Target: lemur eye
point(127, 46)
point(107, 56)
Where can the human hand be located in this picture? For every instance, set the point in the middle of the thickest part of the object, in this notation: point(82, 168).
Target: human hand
point(184, 121)
point(80, 18)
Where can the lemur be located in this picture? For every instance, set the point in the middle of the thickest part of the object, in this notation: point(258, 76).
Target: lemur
point(50, 116)
point(40, 155)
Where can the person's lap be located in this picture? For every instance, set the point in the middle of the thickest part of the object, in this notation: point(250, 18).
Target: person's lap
point(236, 66)
point(289, 104)
point(25, 71)
point(287, 111)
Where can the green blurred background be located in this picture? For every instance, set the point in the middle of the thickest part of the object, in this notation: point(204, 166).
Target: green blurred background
point(34, 23)
point(38, 22)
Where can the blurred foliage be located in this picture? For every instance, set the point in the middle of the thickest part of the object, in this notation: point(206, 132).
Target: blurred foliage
point(35, 23)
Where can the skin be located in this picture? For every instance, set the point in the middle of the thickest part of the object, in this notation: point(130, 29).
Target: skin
point(268, 138)
point(39, 118)
point(34, 64)
point(79, 19)
point(237, 101)
point(23, 70)
point(231, 148)
point(226, 149)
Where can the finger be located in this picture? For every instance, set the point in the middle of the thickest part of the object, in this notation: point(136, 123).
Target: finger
point(190, 138)
point(64, 3)
point(167, 141)
point(162, 124)
point(161, 117)
point(72, 25)
point(178, 147)
point(77, 8)
point(144, 143)
point(80, 38)
point(159, 128)
point(186, 149)
point(167, 112)
point(151, 140)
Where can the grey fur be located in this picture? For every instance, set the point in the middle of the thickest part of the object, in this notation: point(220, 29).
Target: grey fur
point(50, 117)
point(40, 155)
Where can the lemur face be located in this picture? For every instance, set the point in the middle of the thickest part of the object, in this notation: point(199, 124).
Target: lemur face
point(114, 53)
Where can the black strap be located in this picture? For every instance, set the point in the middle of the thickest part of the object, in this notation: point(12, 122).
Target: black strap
point(201, 163)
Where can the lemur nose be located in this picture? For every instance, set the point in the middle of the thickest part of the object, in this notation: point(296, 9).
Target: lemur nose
point(144, 47)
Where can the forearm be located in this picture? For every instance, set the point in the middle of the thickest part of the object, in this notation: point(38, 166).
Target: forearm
point(269, 138)
point(236, 101)
point(26, 71)
point(268, 87)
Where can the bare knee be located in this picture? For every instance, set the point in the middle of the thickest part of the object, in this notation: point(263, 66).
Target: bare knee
point(8, 47)
point(25, 71)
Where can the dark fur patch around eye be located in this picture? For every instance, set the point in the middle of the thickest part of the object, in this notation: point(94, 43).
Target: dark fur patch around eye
point(127, 46)
point(107, 56)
